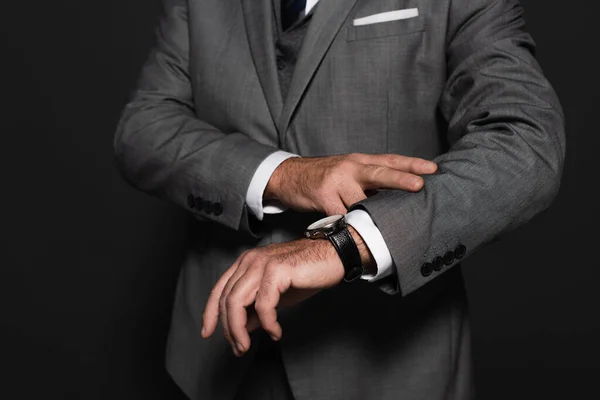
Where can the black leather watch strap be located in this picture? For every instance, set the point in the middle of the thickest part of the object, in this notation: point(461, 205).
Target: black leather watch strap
point(348, 251)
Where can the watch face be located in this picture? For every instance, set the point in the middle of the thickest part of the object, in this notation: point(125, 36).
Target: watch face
point(325, 223)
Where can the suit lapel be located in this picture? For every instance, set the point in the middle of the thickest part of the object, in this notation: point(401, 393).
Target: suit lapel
point(326, 22)
point(258, 18)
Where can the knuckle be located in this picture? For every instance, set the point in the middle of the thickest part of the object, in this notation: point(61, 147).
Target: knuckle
point(353, 158)
point(263, 292)
point(270, 268)
point(255, 254)
point(261, 306)
point(246, 252)
point(394, 159)
point(231, 301)
point(403, 178)
point(422, 163)
point(400, 175)
point(246, 255)
point(415, 162)
point(350, 164)
point(344, 164)
point(268, 280)
point(376, 172)
point(222, 303)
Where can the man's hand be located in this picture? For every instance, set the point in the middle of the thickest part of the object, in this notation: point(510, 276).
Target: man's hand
point(331, 184)
point(278, 274)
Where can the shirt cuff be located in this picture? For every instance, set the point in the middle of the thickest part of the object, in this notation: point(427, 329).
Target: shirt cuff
point(258, 184)
point(364, 225)
point(309, 5)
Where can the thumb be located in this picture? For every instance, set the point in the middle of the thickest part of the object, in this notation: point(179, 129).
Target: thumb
point(353, 195)
point(335, 208)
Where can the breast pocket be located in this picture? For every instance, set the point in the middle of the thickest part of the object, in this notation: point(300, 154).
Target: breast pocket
point(389, 23)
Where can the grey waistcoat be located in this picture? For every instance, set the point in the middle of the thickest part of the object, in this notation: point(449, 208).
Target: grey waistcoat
point(288, 44)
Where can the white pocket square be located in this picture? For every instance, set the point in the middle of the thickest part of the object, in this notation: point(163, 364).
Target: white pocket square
point(387, 16)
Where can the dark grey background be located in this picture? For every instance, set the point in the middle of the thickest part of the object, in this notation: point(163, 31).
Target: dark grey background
point(89, 264)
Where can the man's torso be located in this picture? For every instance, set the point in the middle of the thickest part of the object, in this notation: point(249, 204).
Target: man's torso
point(370, 89)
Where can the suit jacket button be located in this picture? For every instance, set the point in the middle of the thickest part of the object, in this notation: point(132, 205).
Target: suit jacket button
point(280, 63)
point(448, 257)
point(426, 269)
point(438, 263)
point(190, 201)
point(199, 203)
point(217, 208)
point(203, 205)
point(460, 251)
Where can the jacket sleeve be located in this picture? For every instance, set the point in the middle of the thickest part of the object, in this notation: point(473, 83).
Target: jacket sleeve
point(507, 149)
point(161, 148)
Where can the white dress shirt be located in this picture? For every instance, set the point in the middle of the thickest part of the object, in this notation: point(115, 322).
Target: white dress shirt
point(359, 219)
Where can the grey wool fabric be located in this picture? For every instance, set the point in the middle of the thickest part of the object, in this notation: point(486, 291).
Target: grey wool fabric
point(288, 43)
point(458, 84)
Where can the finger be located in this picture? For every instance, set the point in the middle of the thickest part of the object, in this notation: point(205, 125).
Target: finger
point(223, 308)
point(399, 162)
point(210, 316)
point(352, 195)
point(241, 296)
point(289, 298)
point(376, 177)
point(274, 282)
point(223, 300)
point(334, 207)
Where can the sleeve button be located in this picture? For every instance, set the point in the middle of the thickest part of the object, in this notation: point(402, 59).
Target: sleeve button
point(190, 201)
point(199, 203)
point(217, 208)
point(460, 251)
point(280, 63)
point(438, 263)
point(448, 257)
point(426, 269)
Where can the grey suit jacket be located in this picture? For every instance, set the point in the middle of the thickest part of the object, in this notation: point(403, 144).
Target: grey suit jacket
point(458, 84)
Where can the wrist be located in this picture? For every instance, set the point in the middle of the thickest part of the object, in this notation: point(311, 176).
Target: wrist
point(272, 189)
point(328, 251)
point(367, 259)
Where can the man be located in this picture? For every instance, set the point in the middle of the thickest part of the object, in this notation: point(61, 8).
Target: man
point(423, 130)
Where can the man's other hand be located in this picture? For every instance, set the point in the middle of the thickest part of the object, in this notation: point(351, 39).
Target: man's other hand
point(331, 184)
point(271, 276)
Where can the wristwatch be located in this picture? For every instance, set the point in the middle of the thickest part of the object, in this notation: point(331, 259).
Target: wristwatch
point(335, 229)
